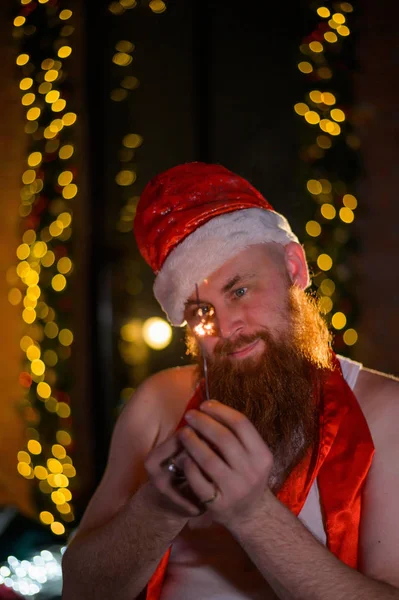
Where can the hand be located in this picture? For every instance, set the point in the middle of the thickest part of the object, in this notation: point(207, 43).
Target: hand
point(166, 493)
point(225, 450)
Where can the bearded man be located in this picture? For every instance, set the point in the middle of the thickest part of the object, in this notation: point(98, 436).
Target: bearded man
point(285, 483)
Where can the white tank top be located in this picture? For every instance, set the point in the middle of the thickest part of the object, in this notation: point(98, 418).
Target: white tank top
point(207, 563)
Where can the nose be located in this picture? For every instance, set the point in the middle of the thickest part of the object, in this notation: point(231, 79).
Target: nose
point(229, 322)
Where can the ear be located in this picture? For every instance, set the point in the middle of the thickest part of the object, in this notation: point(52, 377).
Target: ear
point(296, 264)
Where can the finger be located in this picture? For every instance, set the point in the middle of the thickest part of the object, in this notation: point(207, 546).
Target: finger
point(178, 497)
point(200, 485)
point(238, 423)
point(212, 465)
point(159, 456)
point(222, 438)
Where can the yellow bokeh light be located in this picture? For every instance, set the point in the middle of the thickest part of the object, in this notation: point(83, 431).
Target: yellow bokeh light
point(124, 46)
point(125, 178)
point(65, 14)
point(330, 37)
point(70, 191)
point(34, 447)
point(24, 469)
point(337, 114)
point(28, 176)
point(325, 304)
point(31, 278)
point(54, 466)
point(122, 59)
point(316, 47)
point(63, 508)
point(33, 113)
point(157, 6)
point(33, 292)
point(305, 67)
point(52, 96)
point(69, 471)
point(43, 390)
point(57, 528)
point(338, 320)
point(350, 337)
point(312, 117)
point(56, 228)
point(33, 352)
point(69, 119)
point(323, 12)
point(130, 82)
point(324, 262)
point(157, 333)
point(58, 105)
point(28, 99)
point(34, 159)
point(19, 21)
point(313, 228)
point(38, 367)
point(65, 178)
point(58, 282)
point(40, 473)
point(29, 315)
point(23, 251)
point(23, 457)
point(51, 330)
point(66, 151)
point(22, 59)
point(25, 83)
point(343, 30)
point(346, 215)
point(39, 249)
point(301, 108)
point(324, 73)
point(350, 201)
point(63, 438)
point(328, 211)
point(132, 140)
point(65, 337)
point(314, 186)
point(64, 265)
point(327, 287)
point(51, 75)
point(58, 451)
point(118, 95)
point(57, 498)
point(63, 410)
point(128, 3)
point(14, 296)
point(46, 517)
point(339, 18)
point(48, 259)
point(50, 358)
point(329, 98)
point(316, 96)
point(64, 51)
point(25, 342)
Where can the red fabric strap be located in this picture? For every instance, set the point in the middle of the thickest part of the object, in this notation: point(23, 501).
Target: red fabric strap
point(340, 463)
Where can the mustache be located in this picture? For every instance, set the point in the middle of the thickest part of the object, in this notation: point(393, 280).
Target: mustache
point(225, 347)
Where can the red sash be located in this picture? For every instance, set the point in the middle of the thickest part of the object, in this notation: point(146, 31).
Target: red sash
point(341, 465)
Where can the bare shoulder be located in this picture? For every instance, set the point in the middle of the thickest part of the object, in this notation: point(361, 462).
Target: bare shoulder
point(378, 396)
point(162, 397)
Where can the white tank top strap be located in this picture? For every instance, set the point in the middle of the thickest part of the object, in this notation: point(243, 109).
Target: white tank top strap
point(350, 370)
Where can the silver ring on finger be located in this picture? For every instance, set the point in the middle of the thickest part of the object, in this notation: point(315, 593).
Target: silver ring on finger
point(174, 470)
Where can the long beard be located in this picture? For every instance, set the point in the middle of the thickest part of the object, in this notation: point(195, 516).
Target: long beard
point(279, 390)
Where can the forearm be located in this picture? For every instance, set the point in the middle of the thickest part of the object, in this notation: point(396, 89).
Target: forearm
point(117, 560)
point(296, 565)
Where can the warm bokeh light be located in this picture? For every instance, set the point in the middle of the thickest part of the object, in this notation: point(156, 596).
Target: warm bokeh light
point(157, 333)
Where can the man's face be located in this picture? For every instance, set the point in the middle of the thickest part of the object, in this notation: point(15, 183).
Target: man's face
point(248, 295)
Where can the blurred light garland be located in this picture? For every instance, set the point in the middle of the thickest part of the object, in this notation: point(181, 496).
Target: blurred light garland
point(39, 577)
point(40, 281)
point(133, 345)
point(330, 163)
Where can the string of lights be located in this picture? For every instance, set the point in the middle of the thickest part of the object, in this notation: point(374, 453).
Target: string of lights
point(329, 164)
point(40, 575)
point(136, 336)
point(40, 282)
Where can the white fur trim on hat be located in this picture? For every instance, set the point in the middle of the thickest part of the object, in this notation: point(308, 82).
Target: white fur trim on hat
point(209, 247)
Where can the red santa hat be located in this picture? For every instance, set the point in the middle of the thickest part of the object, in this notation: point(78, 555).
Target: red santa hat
point(194, 217)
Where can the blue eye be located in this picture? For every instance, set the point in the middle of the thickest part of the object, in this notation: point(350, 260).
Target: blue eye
point(240, 292)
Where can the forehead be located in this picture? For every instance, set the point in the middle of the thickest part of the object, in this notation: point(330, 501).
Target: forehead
point(258, 259)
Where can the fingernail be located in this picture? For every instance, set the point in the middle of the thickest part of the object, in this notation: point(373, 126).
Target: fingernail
point(207, 404)
point(189, 416)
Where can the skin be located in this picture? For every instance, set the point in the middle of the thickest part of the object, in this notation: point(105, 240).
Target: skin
point(137, 489)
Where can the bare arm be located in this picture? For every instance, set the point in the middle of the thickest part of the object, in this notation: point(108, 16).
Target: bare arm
point(129, 523)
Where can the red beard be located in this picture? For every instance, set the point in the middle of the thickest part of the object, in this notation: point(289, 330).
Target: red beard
point(277, 390)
